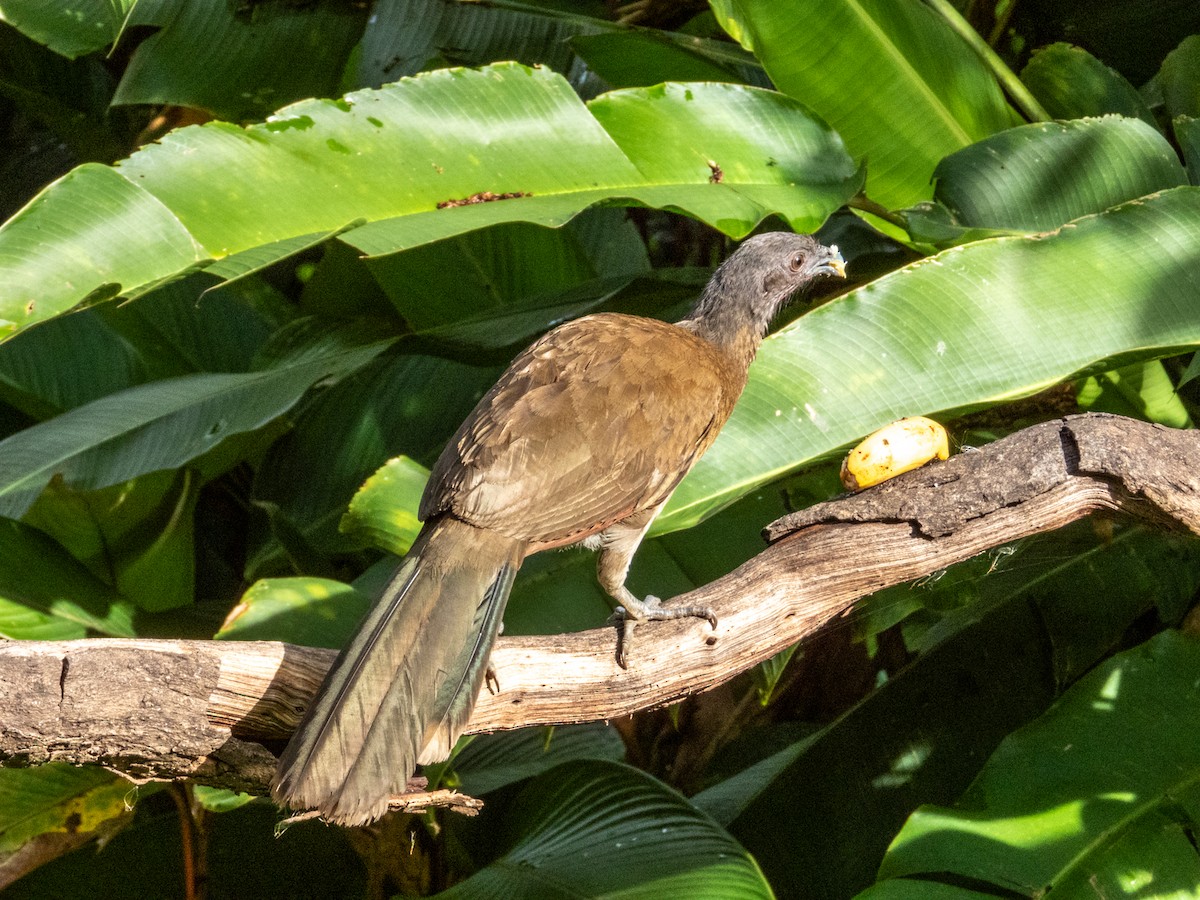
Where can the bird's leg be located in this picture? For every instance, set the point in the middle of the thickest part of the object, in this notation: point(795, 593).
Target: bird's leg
point(617, 544)
point(489, 674)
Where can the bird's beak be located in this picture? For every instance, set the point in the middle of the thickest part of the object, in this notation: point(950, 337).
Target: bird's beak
point(832, 264)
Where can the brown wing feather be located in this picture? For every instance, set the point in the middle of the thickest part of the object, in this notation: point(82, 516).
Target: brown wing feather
point(598, 420)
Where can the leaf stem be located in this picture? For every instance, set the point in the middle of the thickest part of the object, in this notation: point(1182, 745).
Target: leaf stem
point(862, 202)
point(1020, 94)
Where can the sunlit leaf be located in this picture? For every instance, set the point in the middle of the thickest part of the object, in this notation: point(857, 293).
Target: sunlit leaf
point(36, 573)
point(974, 325)
point(1106, 775)
point(1041, 176)
point(390, 157)
point(49, 810)
point(911, 91)
point(315, 612)
point(384, 512)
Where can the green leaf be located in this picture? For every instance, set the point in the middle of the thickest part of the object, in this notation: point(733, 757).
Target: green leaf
point(138, 536)
point(220, 800)
point(499, 334)
point(89, 236)
point(474, 274)
point(389, 157)
point(49, 810)
point(39, 799)
point(65, 363)
point(1108, 773)
point(1142, 390)
point(1041, 176)
point(208, 52)
point(20, 623)
point(186, 326)
point(604, 829)
point(38, 574)
point(767, 674)
point(771, 153)
point(314, 612)
point(923, 890)
point(920, 736)
point(385, 410)
point(1179, 79)
point(403, 37)
point(1061, 575)
point(645, 57)
point(1073, 84)
point(1014, 628)
point(383, 513)
point(160, 425)
point(71, 29)
point(974, 325)
point(492, 761)
point(910, 93)
point(1187, 134)
point(66, 96)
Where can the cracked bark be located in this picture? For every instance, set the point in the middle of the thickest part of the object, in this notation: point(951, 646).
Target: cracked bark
point(214, 711)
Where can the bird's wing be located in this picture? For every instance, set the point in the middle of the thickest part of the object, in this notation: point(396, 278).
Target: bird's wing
point(598, 420)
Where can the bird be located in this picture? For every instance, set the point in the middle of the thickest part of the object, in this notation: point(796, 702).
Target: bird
point(581, 440)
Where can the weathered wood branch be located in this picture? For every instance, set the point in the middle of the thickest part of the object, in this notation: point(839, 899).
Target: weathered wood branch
point(155, 709)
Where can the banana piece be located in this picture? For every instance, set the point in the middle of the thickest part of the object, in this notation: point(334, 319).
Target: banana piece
point(904, 445)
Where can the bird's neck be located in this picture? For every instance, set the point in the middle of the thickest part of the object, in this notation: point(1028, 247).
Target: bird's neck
point(732, 328)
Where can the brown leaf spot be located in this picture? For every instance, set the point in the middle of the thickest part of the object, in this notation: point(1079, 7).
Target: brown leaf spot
point(482, 197)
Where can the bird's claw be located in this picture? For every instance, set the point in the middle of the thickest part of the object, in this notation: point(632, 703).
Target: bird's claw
point(628, 617)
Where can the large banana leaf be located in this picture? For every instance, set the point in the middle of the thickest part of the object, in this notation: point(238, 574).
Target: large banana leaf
point(47, 593)
point(1069, 82)
point(601, 829)
point(389, 157)
point(1040, 176)
point(163, 424)
point(71, 29)
point(899, 86)
point(1096, 798)
point(205, 53)
point(974, 325)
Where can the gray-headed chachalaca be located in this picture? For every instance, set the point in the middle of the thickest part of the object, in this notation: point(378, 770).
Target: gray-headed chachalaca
point(582, 439)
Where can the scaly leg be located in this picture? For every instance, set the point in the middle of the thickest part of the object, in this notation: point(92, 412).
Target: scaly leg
point(617, 544)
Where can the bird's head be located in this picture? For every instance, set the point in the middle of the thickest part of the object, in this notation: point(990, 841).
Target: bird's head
point(758, 280)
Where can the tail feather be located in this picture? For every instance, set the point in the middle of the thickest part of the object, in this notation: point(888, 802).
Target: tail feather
point(456, 696)
point(404, 687)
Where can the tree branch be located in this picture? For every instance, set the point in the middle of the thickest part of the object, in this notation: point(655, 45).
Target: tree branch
point(207, 710)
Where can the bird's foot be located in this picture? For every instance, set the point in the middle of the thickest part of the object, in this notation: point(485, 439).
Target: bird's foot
point(633, 612)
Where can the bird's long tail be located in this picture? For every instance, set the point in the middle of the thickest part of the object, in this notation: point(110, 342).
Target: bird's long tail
point(402, 690)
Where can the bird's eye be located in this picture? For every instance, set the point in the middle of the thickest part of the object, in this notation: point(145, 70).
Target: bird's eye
point(797, 262)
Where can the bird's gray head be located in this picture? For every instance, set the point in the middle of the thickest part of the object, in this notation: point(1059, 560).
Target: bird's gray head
point(753, 284)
